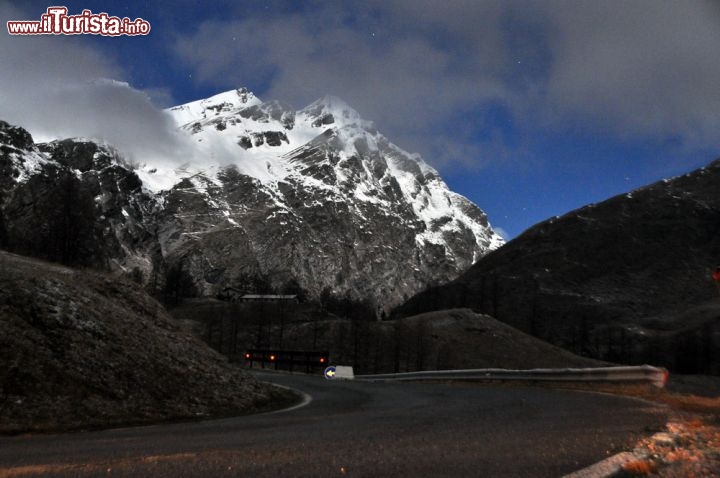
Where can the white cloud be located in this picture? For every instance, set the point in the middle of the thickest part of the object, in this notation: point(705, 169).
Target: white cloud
point(502, 232)
point(56, 87)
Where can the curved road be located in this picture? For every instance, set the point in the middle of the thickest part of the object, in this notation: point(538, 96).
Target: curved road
point(361, 429)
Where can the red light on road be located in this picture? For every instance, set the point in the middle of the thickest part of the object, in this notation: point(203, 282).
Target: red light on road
point(322, 359)
point(247, 356)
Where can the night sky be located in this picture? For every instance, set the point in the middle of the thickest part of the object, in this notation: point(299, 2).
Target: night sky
point(528, 108)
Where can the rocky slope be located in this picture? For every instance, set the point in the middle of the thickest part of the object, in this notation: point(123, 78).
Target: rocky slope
point(315, 199)
point(627, 279)
point(318, 196)
point(79, 349)
point(75, 202)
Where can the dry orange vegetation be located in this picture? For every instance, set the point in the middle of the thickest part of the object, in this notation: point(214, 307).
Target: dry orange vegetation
point(690, 448)
point(640, 467)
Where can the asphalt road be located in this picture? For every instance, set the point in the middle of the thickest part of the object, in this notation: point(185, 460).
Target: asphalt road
point(361, 429)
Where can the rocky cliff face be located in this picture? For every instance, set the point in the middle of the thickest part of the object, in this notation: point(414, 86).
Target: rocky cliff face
point(628, 279)
point(74, 202)
point(316, 196)
point(267, 198)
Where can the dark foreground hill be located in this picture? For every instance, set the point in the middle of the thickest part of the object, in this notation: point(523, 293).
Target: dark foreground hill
point(80, 349)
point(627, 280)
point(447, 339)
point(450, 339)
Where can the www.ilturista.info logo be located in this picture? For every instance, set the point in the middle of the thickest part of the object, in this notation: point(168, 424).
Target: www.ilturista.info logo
point(57, 22)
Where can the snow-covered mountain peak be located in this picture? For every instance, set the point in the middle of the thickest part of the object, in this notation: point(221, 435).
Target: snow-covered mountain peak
point(322, 175)
point(317, 196)
point(19, 157)
point(331, 111)
point(216, 105)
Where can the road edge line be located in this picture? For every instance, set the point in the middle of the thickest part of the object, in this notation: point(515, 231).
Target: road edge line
point(306, 399)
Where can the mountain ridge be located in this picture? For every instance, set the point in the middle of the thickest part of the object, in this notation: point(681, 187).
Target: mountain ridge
point(315, 198)
point(615, 280)
point(327, 154)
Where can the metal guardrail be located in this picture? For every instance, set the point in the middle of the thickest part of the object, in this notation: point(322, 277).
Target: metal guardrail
point(644, 373)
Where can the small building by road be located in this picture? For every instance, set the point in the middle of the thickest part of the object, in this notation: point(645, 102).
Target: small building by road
point(269, 298)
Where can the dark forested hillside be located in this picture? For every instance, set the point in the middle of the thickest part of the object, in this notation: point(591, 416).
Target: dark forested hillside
point(618, 280)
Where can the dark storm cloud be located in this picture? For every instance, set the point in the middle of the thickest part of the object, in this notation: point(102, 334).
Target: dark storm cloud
point(58, 87)
point(644, 69)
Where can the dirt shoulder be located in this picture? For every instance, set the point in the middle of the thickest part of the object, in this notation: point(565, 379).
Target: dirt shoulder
point(690, 444)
